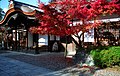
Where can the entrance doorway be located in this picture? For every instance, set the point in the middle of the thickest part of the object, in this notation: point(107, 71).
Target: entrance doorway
point(19, 39)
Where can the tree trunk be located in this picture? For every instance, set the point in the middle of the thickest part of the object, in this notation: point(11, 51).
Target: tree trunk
point(65, 53)
point(80, 43)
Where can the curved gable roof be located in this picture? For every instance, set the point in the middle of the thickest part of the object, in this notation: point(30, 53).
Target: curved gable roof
point(19, 7)
point(13, 11)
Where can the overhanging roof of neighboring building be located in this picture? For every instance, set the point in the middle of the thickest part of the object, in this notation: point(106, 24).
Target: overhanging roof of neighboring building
point(106, 19)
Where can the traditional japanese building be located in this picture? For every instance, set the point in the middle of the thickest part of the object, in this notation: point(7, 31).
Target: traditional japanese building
point(15, 26)
point(20, 17)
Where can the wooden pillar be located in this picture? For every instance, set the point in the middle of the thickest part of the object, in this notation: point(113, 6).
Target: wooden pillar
point(15, 37)
point(19, 40)
point(36, 49)
point(27, 38)
point(49, 43)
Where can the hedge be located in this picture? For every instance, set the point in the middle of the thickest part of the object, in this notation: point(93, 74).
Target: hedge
point(106, 56)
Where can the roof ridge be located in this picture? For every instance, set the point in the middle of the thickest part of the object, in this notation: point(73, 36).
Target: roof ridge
point(17, 2)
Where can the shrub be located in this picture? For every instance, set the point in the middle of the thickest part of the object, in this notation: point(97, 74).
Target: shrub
point(106, 57)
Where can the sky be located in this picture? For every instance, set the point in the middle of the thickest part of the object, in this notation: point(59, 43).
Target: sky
point(4, 3)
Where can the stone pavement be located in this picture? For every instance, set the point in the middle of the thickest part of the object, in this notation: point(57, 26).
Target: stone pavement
point(23, 64)
point(11, 67)
point(12, 64)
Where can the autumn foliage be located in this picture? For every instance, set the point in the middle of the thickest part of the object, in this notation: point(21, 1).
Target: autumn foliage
point(57, 17)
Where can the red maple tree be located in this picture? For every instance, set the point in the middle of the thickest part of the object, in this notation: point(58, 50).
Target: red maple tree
point(58, 16)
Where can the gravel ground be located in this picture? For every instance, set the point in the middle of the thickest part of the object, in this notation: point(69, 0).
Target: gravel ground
point(108, 72)
point(57, 62)
point(53, 61)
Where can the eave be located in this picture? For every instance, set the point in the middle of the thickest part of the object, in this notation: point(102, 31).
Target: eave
point(13, 11)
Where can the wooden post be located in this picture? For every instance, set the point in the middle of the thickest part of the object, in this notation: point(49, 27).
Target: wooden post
point(27, 38)
point(15, 37)
point(36, 49)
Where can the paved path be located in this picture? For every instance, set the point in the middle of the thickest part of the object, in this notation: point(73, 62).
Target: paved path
point(10, 67)
point(13, 67)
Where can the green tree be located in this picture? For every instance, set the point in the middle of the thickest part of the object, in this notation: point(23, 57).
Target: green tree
point(1, 13)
